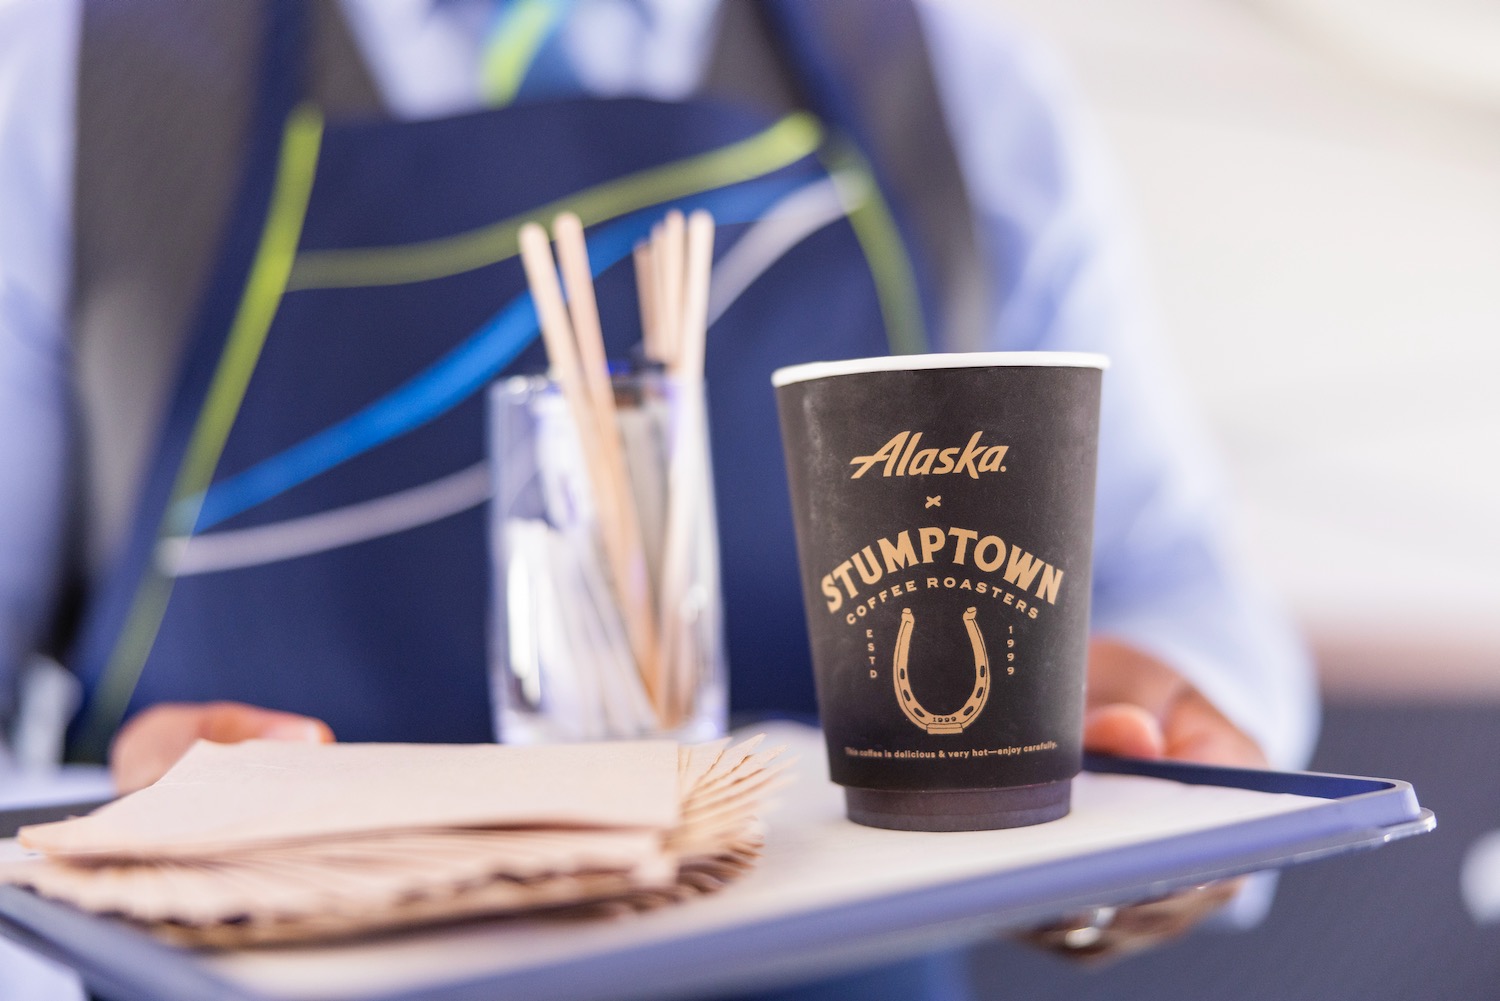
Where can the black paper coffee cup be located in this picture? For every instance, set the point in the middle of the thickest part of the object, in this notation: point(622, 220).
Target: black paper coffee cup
point(944, 517)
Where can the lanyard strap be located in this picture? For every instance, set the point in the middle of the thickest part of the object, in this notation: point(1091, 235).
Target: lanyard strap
point(518, 32)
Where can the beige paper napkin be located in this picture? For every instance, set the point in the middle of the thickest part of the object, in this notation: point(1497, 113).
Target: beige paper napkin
point(261, 842)
point(233, 795)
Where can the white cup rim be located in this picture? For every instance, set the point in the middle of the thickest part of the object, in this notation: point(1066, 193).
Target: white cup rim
point(809, 371)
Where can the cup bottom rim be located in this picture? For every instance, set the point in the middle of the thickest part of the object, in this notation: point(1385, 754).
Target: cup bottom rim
point(959, 809)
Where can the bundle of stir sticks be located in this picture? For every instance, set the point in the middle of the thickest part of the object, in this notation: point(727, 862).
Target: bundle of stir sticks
point(672, 277)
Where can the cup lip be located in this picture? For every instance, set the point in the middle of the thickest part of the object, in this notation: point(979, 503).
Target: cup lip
point(809, 371)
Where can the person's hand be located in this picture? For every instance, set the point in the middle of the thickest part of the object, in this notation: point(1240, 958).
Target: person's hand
point(154, 739)
point(1138, 707)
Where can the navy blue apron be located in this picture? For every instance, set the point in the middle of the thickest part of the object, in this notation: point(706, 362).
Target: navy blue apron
point(366, 293)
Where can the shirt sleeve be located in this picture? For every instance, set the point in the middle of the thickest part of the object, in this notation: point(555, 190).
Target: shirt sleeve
point(38, 57)
point(1168, 576)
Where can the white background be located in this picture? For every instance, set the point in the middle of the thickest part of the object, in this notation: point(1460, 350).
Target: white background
point(1318, 186)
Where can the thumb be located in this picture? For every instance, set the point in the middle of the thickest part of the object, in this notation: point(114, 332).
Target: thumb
point(150, 744)
point(231, 722)
point(1124, 729)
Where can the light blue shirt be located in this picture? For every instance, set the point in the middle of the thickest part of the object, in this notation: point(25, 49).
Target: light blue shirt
point(1167, 579)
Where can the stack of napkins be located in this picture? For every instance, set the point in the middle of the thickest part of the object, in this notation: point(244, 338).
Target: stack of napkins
point(276, 842)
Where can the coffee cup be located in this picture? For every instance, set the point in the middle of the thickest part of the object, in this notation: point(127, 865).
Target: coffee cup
point(943, 507)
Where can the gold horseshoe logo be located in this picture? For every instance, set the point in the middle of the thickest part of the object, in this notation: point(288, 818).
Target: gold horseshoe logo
point(913, 709)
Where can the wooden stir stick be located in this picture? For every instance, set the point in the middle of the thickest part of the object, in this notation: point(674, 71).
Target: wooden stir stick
point(645, 287)
point(686, 476)
point(667, 244)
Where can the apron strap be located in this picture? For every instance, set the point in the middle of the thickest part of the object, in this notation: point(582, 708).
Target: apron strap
point(896, 117)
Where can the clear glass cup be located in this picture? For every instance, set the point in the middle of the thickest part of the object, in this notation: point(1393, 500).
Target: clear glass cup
point(565, 665)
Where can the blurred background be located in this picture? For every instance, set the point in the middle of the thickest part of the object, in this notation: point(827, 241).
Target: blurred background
point(1317, 183)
